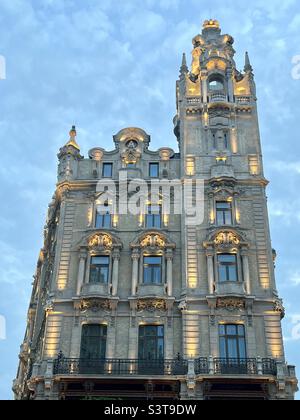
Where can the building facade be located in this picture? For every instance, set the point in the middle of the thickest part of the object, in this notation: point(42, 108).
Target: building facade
point(153, 304)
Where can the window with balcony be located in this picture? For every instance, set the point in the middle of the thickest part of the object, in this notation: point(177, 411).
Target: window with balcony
point(93, 349)
point(232, 341)
point(152, 270)
point(99, 271)
point(154, 216)
point(151, 342)
point(154, 170)
point(224, 213)
point(107, 170)
point(103, 217)
point(227, 268)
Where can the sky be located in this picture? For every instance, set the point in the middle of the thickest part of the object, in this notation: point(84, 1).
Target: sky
point(105, 65)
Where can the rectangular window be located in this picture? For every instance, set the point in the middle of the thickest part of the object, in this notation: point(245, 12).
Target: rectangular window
point(154, 170)
point(99, 272)
point(93, 349)
point(153, 217)
point(227, 268)
point(107, 170)
point(103, 217)
point(224, 213)
point(151, 342)
point(232, 342)
point(152, 270)
point(131, 165)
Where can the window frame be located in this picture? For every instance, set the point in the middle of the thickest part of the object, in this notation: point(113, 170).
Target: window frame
point(227, 266)
point(105, 165)
point(223, 212)
point(154, 216)
point(107, 266)
point(226, 339)
point(155, 165)
point(159, 338)
point(152, 267)
point(104, 217)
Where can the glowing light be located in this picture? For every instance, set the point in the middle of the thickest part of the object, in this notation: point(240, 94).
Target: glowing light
point(190, 166)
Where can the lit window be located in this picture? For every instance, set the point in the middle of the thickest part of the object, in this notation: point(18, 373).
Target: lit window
point(224, 213)
point(152, 270)
point(107, 170)
point(190, 166)
point(99, 272)
point(153, 216)
point(154, 170)
point(227, 268)
point(103, 217)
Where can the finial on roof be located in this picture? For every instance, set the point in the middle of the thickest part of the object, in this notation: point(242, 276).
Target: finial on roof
point(211, 24)
point(72, 141)
point(248, 67)
point(184, 68)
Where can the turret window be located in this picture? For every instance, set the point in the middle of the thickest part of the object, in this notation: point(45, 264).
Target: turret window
point(152, 270)
point(224, 213)
point(227, 268)
point(99, 270)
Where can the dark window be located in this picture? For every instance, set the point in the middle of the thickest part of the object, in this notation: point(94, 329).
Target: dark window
point(151, 342)
point(107, 170)
point(227, 267)
point(216, 83)
point(93, 341)
point(226, 141)
point(103, 217)
point(153, 217)
point(154, 170)
point(99, 270)
point(232, 341)
point(224, 213)
point(152, 270)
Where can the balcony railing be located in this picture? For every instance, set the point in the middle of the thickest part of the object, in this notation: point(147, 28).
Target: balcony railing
point(167, 367)
point(218, 97)
point(120, 367)
point(235, 366)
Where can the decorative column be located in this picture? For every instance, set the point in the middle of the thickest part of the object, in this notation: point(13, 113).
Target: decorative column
point(135, 271)
point(210, 271)
point(169, 258)
point(230, 85)
point(246, 271)
point(204, 87)
point(81, 271)
point(115, 272)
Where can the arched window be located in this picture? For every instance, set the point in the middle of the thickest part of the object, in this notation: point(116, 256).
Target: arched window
point(216, 83)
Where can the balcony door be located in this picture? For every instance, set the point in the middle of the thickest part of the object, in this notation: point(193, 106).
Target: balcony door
point(233, 357)
point(93, 349)
point(151, 349)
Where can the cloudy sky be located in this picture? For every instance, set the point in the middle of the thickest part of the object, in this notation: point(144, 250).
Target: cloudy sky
point(104, 65)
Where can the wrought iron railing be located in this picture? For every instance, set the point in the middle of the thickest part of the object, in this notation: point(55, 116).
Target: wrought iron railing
point(269, 367)
point(201, 366)
point(236, 366)
point(119, 367)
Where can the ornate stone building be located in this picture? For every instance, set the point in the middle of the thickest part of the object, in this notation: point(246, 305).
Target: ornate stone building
point(147, 305)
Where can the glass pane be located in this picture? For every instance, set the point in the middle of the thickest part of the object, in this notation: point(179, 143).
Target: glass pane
point(153, 170)
point(147, 275)
point(100, 260)
point(156, 275)
point(242, 348)
point(231, 329)
point(228, 218)
point(222, 329)
point(232, 273)
point(241, 330)
point(103, 275)
point(232, 348)
point(223, 352)
point(222, 273)
point(107, 170)
point(152, 260)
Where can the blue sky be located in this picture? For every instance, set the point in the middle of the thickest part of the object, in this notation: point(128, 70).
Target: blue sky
point(106, 65)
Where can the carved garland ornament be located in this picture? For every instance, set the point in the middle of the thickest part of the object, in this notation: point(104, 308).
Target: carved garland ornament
point(151, 305)
point(100, 242)
point(226, 238)
point(95, 305)
point(232, 304)
point(153, 241)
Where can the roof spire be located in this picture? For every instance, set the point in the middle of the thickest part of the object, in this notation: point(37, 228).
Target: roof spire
point(72, 141)
point(184, 68)
point(248, 67)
